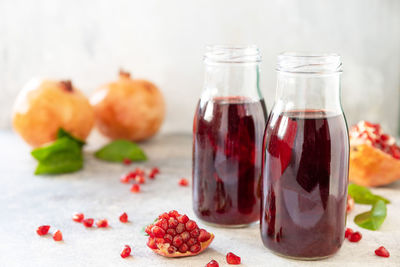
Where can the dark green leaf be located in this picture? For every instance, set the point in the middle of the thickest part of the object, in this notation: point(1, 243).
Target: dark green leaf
point(363, 195)
point(119, 150)
point(62, 156)
point(374, 218)
point(62, 133)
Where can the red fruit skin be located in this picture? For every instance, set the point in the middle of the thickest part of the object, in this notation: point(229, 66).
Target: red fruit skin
point(348, 232)
point(232, 258)
point(43, 230)
point(126, 252)
point(57, 236)
point(382, 252)
point(88, 222)
point(183, 182)
point(102, 223)
point(78, 217)
point(355, 237)
point(135, 188)
point(123, 218)
point(212, 263)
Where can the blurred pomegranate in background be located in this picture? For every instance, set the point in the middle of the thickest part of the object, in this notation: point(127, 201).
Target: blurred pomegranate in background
point(45, 106)
point(128, 108)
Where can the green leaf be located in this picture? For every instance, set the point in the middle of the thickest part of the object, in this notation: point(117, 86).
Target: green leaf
point(62, 156)
point(62, 133)
point(374, 218)
point(363, 195)
point(119, 150)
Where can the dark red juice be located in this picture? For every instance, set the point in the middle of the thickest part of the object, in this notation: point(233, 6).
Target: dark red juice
point(227, 143)
point(305, 183)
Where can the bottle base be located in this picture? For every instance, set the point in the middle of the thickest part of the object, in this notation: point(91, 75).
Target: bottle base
point(244, 225)
point(302, 258)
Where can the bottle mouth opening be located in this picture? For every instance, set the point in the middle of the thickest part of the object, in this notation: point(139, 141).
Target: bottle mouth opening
point(309, 63)
point(232, 54)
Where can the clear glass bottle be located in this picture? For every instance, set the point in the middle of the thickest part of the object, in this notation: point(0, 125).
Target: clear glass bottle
point(305, 160)
point(227, 138)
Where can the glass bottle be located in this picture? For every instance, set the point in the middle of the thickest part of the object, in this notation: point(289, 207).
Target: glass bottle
point(227, 138)
point(305, 160)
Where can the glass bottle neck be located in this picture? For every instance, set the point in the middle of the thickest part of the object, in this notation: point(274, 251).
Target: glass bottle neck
point(305, 91)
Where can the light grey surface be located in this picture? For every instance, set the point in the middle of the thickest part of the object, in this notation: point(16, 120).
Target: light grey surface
point(27, 201)
point(88, 41)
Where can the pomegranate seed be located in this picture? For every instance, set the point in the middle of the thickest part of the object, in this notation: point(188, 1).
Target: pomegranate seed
point(384, 137)
point(183, 248)
point(185, 236)
point(195, 232)
point(177, 241)
point(395, 151)
point(172, 249)
point(88, 222)
point(180, 228)
point(43, 230)
point(168, 238)
point(195, 248)
point(126, 251)
point(212, 263)
point(57, 236)
point(151, 243)
point(232, 258)
point(204, 235)
point(124, 217)
point(164, 216)
point(382, 252)
point(191, 241)
point(355, 237)
point(191, 225)
point(173, 213)
point(183, 182)
point(139, 171)
point(171, 232)
point(127, 161)
point(102, 223)
point(183, 218)
point(154, 172)
point(125, 179)
point(135, 188)
point(348, 233)
point(78, 217)
point(140, 179)
point(157, 231)
point(148, 229)
point(172, 222)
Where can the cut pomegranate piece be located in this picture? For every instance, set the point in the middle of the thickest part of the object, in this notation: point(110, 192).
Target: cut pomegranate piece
point(348, 233)
point(127, 161)
point(183, 182)
point(175, 235)
point(382, 252)
point(126, 251)
point(135, 188)
point(355, 237)
point(88, 222)
point(212, 263)
point(43, 230)
point(124, 217)
point(78, 217)
point(232, 258)
point(57, 236)
point(103, 223)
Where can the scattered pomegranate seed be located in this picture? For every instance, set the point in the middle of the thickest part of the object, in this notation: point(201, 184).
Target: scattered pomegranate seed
point(355, 237)
point(102, 223)
point(124, 217)
point(154, 172)
point(183, 182)
point(127, 161)
point(232, 258)
point(212, 263)
point(348, 232)
point(382, 252)
point(43, 230)
point(140, 179)
point(78, 217)
point(126, 251)
point(139, 171)
point(88, 222)
point(135, 188)
point(57, 236)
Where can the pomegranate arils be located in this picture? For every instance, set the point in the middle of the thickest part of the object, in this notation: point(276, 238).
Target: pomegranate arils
point(172, 249)
point(139, 171)
point(183, 248)
point(124, 217)
point(88, 222)
point(102, 223)
point(78, 217)
point(162, 223)
point(164, 216)
point(127, 161)
point(173, 213)
point(177, 241)
point(348, 232)
point(157, 231)
point(172, 222)
point(57, 236)
point(168, 238)
point(185, 236)
point(232, 258)
point(191, 241)
point(204, 235)
point(195, 232)
point(153, 173)
point(140, 179)
point(190, 225)
point(151, 243)
point(135, 188)
point(171, 232)
point(183, 182)
point(355, 237)
point(43, 230)
point(382, 252)
point(180, 228)
point(183, 219)
point(126, 251)
point(212, 263)
point(195, 248)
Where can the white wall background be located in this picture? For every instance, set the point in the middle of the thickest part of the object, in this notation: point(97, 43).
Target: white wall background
point(88, 41)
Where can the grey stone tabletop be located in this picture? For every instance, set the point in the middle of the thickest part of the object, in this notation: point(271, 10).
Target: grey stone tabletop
point(27, 201)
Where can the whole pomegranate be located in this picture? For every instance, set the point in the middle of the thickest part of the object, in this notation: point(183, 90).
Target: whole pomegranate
point(374, 156)
point(128, 108)
point(45, 106)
